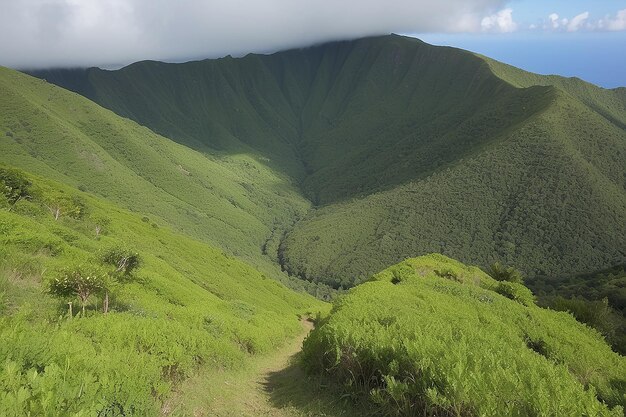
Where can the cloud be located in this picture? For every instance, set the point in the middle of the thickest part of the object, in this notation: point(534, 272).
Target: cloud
point(583, 21)
point(41, 33)
point(577, 21)
point(501, 21)
point(616, 23)
point(554, 20)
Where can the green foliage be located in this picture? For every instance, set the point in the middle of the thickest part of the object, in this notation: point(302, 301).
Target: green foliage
point(597, 314)
point(516, 292)
point(62, 205)
point(597, 298)
point(124, 261)
point(79, 281)
point(13, 185)
point(500, 272)
point(453, 346)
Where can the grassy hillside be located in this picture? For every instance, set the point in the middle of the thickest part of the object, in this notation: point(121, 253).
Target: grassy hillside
point(403, 148)
point(611, 104)
point(187, 305)
point(457, 342)
point(233, 201)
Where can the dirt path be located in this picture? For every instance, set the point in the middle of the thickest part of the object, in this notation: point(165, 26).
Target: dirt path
point(272, 386)
point(256, 398)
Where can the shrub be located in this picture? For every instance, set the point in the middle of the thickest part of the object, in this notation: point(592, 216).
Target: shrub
point(441, 351)
point(125, 261)
point(597, 314)
point(13, 185)
point(516, 292)
point(100, 224)
point(62, 205)
point(500, 272)
point(80, 282)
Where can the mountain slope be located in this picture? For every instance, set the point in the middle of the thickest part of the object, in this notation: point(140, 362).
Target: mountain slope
point(403, 148)
point(357, 116)
point(187, 306)
point(549, 198)
point(233, 201)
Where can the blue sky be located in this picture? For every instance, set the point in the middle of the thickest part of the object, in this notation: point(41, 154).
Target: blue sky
point(531, 36)
point(533, 11)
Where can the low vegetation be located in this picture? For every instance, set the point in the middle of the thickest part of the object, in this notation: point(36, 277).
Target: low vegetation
point(598, 299)
point(414, 341)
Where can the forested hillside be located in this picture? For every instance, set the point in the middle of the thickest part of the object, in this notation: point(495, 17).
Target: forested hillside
point(403, 148)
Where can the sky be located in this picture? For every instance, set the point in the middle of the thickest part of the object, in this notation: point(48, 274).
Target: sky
point(579, 38)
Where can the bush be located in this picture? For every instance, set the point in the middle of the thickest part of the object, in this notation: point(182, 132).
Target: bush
point(125, 261)
point(61, 204)
point(442, 351)
point(500, 272)
point(597, 314)
point(77, 282)
point(14, 185)
point(516, 292)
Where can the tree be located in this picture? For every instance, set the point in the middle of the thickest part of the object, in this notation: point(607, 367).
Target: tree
point(124, 262)
point(78, 281)
point(61, 205)
point(101, 223)
point(500, 272)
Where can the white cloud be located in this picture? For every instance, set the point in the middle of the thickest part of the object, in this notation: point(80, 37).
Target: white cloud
point(577, 21)
point(554, 20)
point(501, 21)
point(38, 33)
point(616, 23)
point(583, 21)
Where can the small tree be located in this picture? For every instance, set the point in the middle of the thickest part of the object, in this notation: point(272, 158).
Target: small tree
point(125, 262)
point(500, 272)
point(79, 282)
point(61, 205)
point(100, 224)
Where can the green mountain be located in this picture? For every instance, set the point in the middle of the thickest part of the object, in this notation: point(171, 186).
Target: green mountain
point(402, 148)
